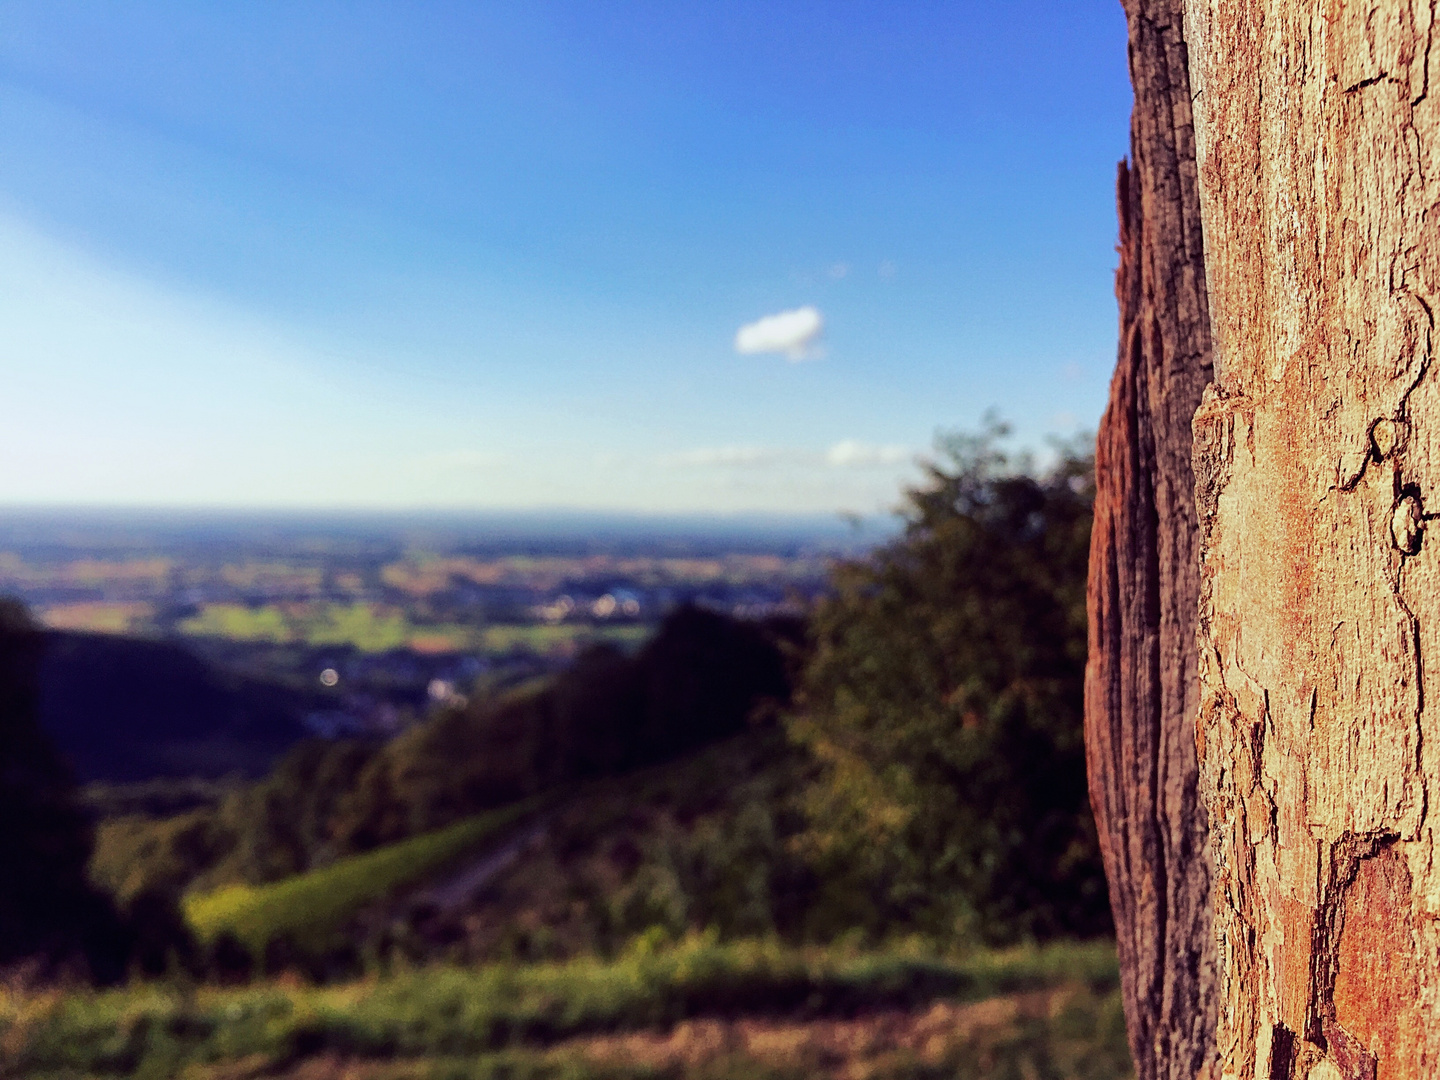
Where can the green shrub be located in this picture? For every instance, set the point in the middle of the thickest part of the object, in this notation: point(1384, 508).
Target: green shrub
point(943, 704)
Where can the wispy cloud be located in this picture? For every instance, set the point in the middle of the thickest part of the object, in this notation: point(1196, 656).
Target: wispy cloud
point(846, 454)
point(852, 454)
point(793, 334)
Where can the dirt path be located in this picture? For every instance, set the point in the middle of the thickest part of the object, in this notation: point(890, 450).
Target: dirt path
point(473, 875)
point(828, 1047)
point(1013, 1035)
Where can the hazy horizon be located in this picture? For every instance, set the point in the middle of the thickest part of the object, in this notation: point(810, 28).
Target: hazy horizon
point(96, 529)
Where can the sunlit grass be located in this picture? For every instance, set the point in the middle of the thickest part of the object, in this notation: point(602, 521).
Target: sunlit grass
point(474, 1020)
point(309, 909)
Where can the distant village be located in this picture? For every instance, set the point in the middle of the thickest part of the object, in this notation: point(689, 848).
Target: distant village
point(378, 637)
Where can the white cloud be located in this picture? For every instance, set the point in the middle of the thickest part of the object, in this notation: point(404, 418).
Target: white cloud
point(794, 334)
point(851, 454)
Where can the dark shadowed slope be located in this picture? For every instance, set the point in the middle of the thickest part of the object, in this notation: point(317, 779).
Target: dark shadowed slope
point(123, 709)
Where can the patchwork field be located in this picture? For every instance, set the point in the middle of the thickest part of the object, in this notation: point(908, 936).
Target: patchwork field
point(375, 628)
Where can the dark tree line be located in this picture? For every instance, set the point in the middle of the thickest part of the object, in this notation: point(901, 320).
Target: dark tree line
point(49, 912)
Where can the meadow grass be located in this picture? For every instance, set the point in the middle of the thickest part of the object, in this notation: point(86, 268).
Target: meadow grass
point(310, 909)
point(478, 1019)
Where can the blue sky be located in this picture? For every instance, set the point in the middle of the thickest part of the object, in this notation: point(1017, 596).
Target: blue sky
point(496, 256)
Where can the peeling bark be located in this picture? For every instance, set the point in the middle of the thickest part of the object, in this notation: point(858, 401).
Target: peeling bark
point(1317, 464)
point(1141, 689)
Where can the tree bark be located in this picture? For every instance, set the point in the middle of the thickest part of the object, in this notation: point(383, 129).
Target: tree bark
point(1141, 690)
point(1317, 460)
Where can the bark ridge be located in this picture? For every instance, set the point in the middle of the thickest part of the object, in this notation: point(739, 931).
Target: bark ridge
point(1141, 687)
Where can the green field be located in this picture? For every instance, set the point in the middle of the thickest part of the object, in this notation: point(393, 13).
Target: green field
point(545, 638)
point(363, 626)
point(310, 909)
point(377, 628)
point(773, 1011)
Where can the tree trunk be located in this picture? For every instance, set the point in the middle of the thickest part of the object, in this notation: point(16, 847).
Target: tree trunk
point(1141, 689)
point(1317, 454)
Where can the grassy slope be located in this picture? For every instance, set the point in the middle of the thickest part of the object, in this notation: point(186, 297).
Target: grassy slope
point(480, 1019)
point(701, 842)
point(676, 846)
point(310, 908)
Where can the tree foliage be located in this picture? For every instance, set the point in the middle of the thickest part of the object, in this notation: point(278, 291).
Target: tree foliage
point(696, 681)
point(943, 704)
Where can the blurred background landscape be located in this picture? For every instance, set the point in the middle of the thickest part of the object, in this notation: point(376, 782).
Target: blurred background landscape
point(352, 625)
point(800, 786)
point(550, 541)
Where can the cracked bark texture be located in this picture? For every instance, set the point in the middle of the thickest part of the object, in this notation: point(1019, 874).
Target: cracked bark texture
point(1141, 690)
point(1317, 464)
